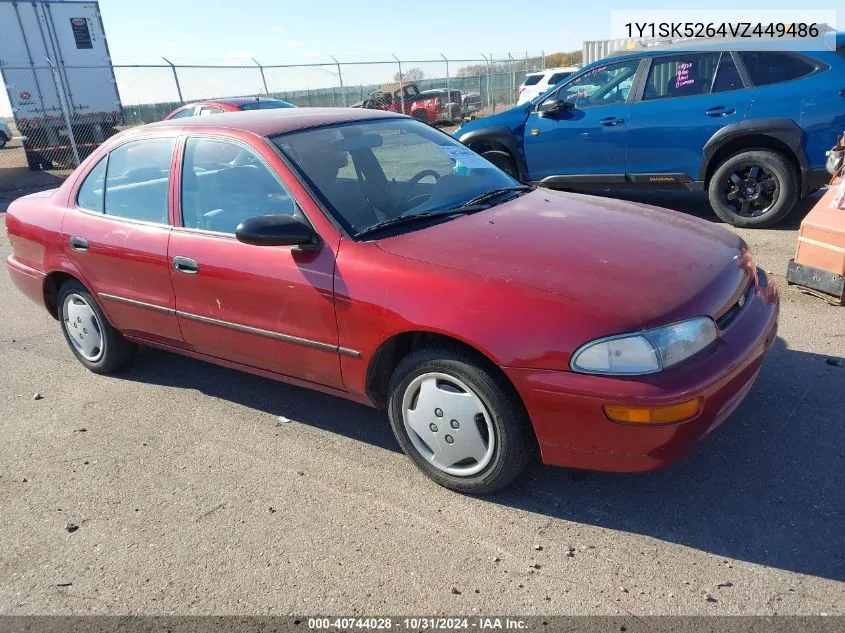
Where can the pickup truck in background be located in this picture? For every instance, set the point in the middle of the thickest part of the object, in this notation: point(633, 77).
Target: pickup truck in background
point(430, 107)
point(55, 64)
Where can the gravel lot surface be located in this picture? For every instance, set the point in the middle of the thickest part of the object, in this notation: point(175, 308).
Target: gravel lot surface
point(199, 490)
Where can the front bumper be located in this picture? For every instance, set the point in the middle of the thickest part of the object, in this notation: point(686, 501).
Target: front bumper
point(566, 408)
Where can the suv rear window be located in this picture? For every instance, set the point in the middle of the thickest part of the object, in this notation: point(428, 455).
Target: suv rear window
point(771, 67)
point(531, 80)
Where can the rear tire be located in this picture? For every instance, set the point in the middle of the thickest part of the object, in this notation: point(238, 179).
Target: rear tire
point(91, 338)
point(474, 436)
point(503, 160)
point(753, 189)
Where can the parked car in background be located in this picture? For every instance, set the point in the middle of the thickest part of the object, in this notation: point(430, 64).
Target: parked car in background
point(750, 127)
point(429, 106)
point(471, 103)
point(321, 247)
point(234, 104)
point(539, 82)
point(446, 107)
point(5, 134)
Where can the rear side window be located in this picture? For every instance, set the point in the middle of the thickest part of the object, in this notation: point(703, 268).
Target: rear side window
point(266, 105)
point(138, 179)
point(727, 76)
point(532, 80)
point(558, 77)
point(771, 67)
point(184, 113)
point(90, 196)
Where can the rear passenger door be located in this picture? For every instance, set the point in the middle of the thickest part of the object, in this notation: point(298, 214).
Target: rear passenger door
point(269, 307)
point(684, 101)
point(117, 237)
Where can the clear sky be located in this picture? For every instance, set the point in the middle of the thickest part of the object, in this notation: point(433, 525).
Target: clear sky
point(218, 31)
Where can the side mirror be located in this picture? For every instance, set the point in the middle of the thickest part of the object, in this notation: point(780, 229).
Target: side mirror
point(277, 230)
point(558, 105)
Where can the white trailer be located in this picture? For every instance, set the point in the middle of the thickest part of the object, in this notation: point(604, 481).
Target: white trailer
point(56, 66)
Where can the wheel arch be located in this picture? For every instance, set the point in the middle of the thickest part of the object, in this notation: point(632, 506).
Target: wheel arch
point(497, 138)
point(780, 135)
point(392, 350)
point(53, 282)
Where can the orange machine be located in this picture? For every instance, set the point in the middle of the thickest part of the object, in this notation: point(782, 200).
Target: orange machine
point(819, 263)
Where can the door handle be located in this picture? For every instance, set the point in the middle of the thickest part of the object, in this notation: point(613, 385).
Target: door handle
point(611, 121)
point(719, 111)
point(186, 265)
point(78, 244)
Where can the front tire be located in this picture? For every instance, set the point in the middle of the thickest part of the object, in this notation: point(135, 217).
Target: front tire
point(460, 422)
point(91, 338)
point(753, 189)
point(503, 160)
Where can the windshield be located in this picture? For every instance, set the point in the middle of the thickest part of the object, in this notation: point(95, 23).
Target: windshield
point(373, 171)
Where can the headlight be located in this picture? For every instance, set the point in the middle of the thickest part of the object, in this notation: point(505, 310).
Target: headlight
point(645, 352)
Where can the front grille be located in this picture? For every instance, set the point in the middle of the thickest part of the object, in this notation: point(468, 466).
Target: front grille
point(725, 320)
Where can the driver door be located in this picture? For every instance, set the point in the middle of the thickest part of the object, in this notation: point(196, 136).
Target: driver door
point(587, 141)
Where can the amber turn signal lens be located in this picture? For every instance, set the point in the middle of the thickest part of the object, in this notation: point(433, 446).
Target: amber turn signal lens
point(652, 415)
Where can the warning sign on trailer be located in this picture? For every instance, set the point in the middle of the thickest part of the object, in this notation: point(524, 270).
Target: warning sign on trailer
point(81, 33)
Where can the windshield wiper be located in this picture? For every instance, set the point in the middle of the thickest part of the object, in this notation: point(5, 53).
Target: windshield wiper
point(418, 217)
point(495, 193)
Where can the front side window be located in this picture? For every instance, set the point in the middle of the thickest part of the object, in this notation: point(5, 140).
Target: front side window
point(771, 67)
point(603, 85)
point(681, 75)
point(90, 196)
point(138, 180)
point(225, 183)
point(374, 171)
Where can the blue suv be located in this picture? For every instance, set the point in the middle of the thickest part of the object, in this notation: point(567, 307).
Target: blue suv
point(751, 127)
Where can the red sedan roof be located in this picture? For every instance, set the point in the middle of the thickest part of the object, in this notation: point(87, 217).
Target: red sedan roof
point(269, 122)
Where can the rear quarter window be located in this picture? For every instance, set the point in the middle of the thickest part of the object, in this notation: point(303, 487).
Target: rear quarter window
point(772, 67)
point(531, 80)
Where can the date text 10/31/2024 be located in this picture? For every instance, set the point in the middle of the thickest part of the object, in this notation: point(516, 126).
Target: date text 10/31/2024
point(417, 624)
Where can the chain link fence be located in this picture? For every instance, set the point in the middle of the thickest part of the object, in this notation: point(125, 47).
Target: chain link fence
point(62, 113)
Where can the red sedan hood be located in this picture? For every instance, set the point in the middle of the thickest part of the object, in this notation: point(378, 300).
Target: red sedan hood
point(633, 265)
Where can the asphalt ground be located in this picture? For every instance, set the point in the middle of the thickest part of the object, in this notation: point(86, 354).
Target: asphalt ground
point(201, 490)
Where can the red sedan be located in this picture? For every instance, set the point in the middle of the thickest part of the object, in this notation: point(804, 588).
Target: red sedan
point(370, 256)
point(233, 104)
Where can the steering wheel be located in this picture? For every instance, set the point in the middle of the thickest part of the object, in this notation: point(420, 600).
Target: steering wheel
point(412, 183)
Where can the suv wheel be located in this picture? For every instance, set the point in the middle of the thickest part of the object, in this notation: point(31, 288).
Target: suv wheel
point(753, 189)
